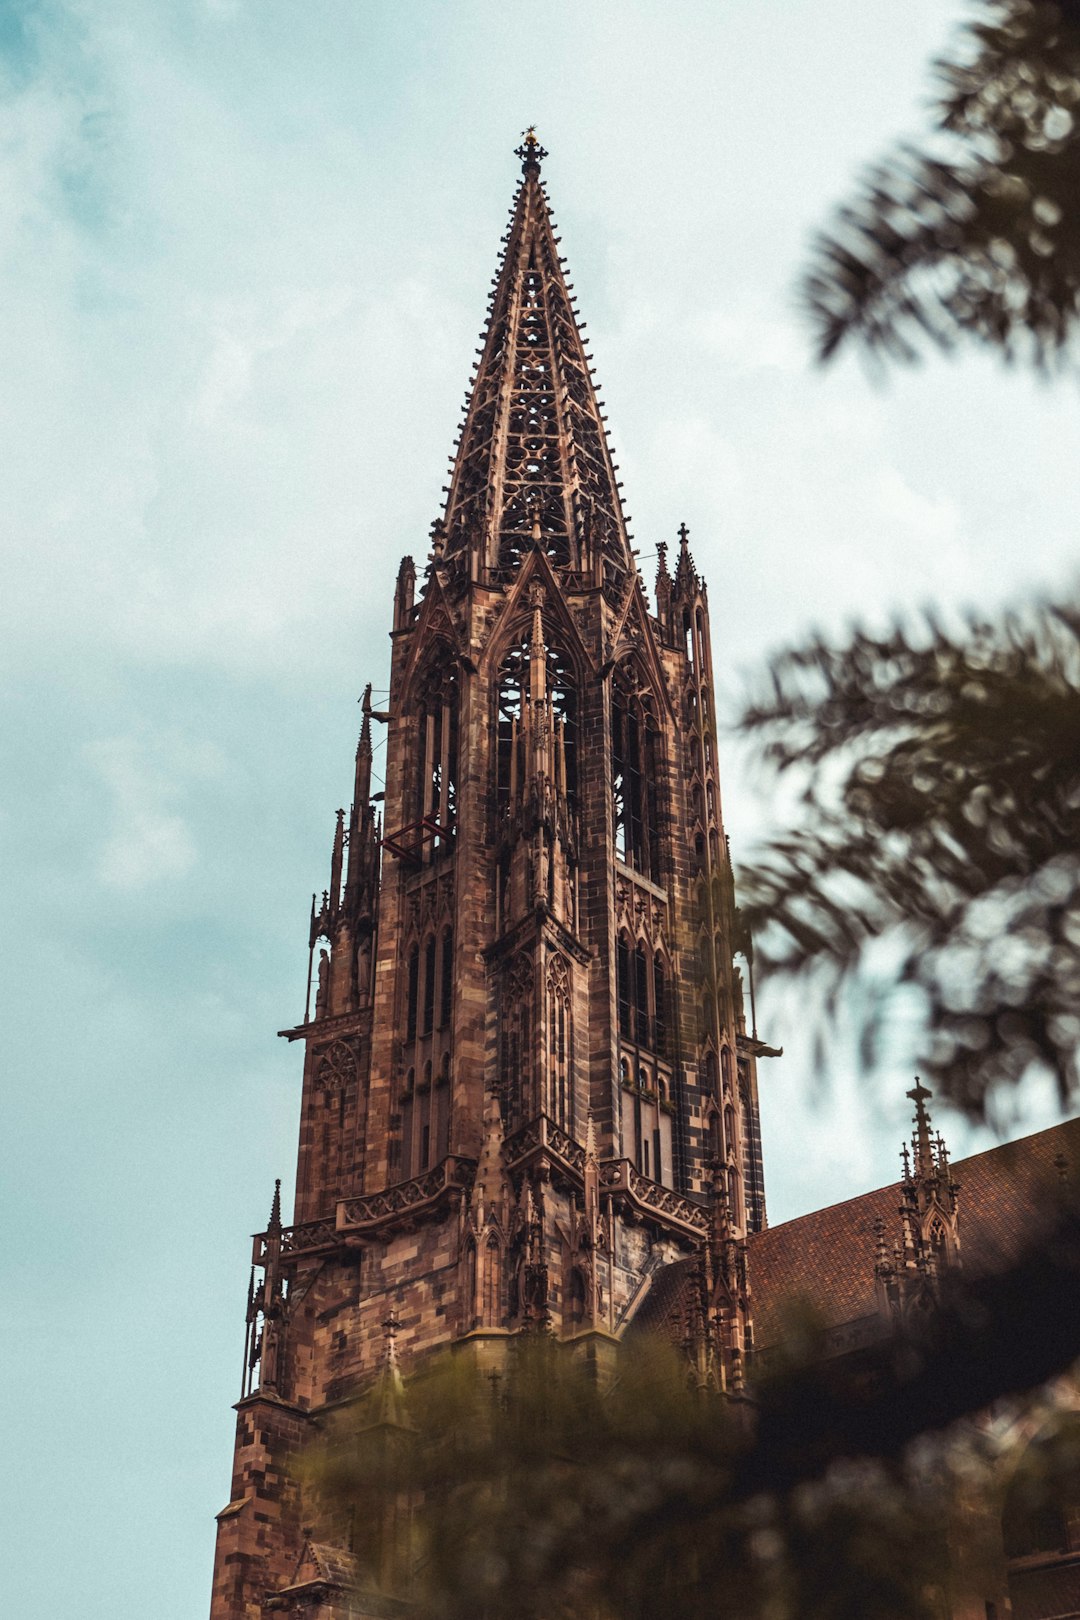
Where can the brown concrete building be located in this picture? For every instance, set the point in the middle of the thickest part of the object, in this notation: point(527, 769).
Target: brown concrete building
point(529, 1084)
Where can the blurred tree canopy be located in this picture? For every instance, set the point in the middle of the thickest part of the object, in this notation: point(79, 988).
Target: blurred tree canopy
point(977, 233)
point(939, 776)
point(546, 1492)
point(548, 1487)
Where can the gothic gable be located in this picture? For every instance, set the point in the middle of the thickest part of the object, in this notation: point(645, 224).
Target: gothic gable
point(516, 613)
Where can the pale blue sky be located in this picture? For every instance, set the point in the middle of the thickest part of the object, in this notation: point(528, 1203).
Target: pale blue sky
point(244, 256)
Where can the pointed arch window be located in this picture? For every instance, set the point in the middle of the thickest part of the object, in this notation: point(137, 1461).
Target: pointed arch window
point(513, 714)
point(428, 1023)
point(492, 1285)
point(424, 1096)
point(446, 986)
point(413, 994)
point(635, 758)
point(560, 1045)
point(641, 997)
point(407, 1108)
point(435, 800)
point(577, 1299)
point(515, 1055)
point(469, 1314)
point(624, 990)
point(660, 995)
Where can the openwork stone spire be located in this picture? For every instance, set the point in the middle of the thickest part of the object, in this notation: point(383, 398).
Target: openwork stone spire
point(533, 451)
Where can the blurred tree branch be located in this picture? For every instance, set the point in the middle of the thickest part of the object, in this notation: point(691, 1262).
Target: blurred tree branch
point(979, 234)
point(940, 790)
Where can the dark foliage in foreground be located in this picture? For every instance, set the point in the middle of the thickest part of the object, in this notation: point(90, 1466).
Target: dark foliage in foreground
point(548, 1492)
point(980, 238)
point(940, 777)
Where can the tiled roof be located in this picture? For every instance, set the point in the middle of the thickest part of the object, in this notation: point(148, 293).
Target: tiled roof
point(826, 1259)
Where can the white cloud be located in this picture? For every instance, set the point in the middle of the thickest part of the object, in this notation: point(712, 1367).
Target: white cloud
point(752, 341)
point(146, 839)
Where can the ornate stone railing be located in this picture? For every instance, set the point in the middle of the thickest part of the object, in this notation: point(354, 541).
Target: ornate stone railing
point(308, 1237)
point(411, 1200)
point(619, 1176)
point(542, 1138)
point(370, 1212)
point(406, 1199)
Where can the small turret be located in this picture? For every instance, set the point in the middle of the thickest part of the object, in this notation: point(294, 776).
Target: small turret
point(337, 861)
point(929, 1231)
point(274, 1223)
point(404, 594)
point(686, 582)
point(389, 1409)
point(663, 588)
point(362, 783)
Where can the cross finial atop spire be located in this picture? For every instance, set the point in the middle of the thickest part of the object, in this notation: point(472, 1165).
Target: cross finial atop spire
point(684, 535)
point(531, 153)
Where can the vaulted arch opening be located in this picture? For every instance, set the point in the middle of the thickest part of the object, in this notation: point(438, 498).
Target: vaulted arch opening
point(635, 765)
point(434, 797)
point(513, 701)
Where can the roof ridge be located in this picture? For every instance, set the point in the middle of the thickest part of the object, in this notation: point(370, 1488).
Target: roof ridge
point(887, 1186)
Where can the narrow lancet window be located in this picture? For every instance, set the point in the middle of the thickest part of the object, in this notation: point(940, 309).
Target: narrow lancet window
point(634, 766)
point(429, 987)
point(446, 988)
point(437, 759)
point(413, 993)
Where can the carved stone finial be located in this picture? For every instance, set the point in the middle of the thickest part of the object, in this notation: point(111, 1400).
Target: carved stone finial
point(274, 1223)
point(881, 1252)
point(391, 1328)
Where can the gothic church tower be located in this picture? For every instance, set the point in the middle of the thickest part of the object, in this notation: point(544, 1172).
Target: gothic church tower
point(528, 1085)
